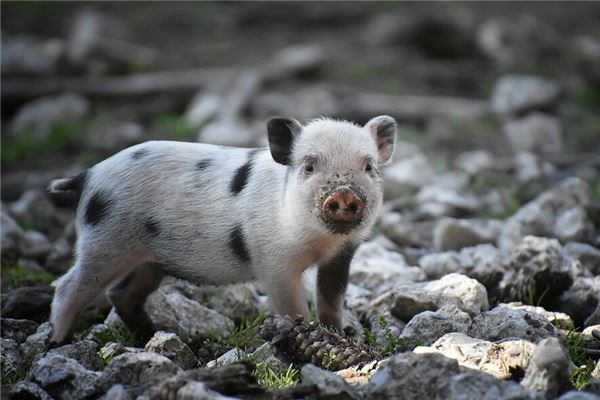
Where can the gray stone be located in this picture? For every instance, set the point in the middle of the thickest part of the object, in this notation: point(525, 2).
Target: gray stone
point(404, 375)
point(203, 108)
point(530, 167)
point(230, 357)
point(170, 346)
point(376, 268)
point(571, 225)
point(117, 392)
point(548, 371)
point(454, 234)
point(41, 115)
point(536, 133)
point(10, 359)
point(137, 372)
point(28, 302)
point(271, 357)
point(506, 322)
point(11, 235)
point(427, 327)
point(64, 378)
point(403, 230)
point(504, 359)
point(474, 162)
point(453, 200)
point(384, 326)
point(330, 385)
point(514, 94)
point(559, 319)
point(591, 339)
point(27, 390)
point(35, 244)
point(581, 299)
point(34, 207)
point(109, 135)
point(37, 343)
point(538, 270)
point(173, 312)
point(594, 318)
point(17, 329)
point(25, 55)
point(577, 395)
point(588, 256)
point(481, 386)
point(410, 172)
point(111, 350)
point(199, 390)
point(538, 217)
point(85, 352)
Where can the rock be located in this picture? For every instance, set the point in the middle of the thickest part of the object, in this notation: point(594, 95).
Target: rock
point(375, 268)
point(530, 167)
point(357, 296)
point(454, 234)
point(198, 390)
point(571, 225)
point(588, 256)
point(504, 322)
point(454, 290)
point(10, 359)
point(481, 386)
point(360, 374)
point(506, 359)
point(117, 392)
point(404, 231)
point(109, 135)
point(539, 270)
point(414, 171)
point(27, 390)
point(28, 302)
point(64, 378)
point(385, 327)
point(475, 162)
point(548, 371)
point(558, 319)
point(173, 312)
point(60, 258)
point(536, 133)
point(516, 94)
point(271, 357)
point(577, 395)
point(170, 346)
point(17, 329)
point(111, 350)
point(11, 236)
point(203, 108)
point(85, 352)
point(402, 377)
point(34, 207)
point(593, 319)
point(41, 115)
point(581, 299)
point(38, 342)
point(329, 384)
point(538, 217)
point(24, 55)
point(427, 327)
point(35, 244)
point(137, 372)
point(452, 201)
point(230, 357)
point(591, 340)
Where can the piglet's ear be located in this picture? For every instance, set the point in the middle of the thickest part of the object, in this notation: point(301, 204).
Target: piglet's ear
point(383, 130)
point(282, 132)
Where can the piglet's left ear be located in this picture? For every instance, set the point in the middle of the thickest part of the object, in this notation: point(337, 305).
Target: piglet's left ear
point(383, 130)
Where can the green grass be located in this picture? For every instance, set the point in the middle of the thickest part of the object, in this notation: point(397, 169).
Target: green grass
point(392, 344)
point(582, 374)
point(244, 337)
point(115, 334)
point(27, 144)
point(175, 126)
point(270, 379)
point(533, 297)
point(589, 98)
point(14, 275)
point(362, 71)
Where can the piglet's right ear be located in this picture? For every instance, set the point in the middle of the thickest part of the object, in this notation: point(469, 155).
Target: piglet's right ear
point(282, 132)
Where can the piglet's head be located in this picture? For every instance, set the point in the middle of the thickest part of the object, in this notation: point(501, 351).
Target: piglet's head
point(333, 181)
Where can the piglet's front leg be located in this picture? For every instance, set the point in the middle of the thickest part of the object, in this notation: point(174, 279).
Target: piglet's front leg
point(332, 279)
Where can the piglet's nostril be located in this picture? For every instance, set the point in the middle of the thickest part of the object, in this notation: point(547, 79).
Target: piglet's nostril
point(334, 206)
point(353, 208)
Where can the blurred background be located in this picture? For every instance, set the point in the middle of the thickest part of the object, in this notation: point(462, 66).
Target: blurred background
point(495, 101)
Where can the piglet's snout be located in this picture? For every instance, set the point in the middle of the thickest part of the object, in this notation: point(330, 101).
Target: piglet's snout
point(343, 207)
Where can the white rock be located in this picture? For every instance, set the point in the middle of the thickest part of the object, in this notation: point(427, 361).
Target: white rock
point(537, 133)
point(428, 326)
point(35, 244)
point(517, 93)
point(476, 260)
point(198, 390)
point(530, 167)
point(454, 234)
point(230, 357)
point(170, 346)
point(329, 384)
point(571, 224)
point(412, 171)
point(475, 162)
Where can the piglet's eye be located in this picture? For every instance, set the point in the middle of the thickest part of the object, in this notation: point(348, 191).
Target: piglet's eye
point(308, 167)
point(369, 167)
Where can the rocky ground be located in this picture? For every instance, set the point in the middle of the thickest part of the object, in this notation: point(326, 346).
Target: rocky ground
point(482, 279)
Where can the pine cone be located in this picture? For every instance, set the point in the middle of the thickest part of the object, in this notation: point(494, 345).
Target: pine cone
point(314, 343)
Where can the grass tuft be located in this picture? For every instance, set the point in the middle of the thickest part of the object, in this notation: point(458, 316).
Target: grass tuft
point(582, 374)
point(15, 275)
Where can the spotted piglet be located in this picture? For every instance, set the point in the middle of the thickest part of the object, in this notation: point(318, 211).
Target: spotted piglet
point(221, 215)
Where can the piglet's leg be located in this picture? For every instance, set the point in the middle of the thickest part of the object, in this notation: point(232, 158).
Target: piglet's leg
point(286, 294)
point(332, 279)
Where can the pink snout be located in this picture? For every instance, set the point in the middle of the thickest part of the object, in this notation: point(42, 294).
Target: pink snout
point(343, 207)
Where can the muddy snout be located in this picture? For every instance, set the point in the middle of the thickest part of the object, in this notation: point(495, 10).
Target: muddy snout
point(343, 209)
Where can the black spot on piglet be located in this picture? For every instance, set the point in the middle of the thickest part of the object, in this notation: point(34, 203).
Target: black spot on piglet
point(152, 227)
point(238, 244)
point(98, 207)
point(240, 178)
point(203, 164)
point(139, 153)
